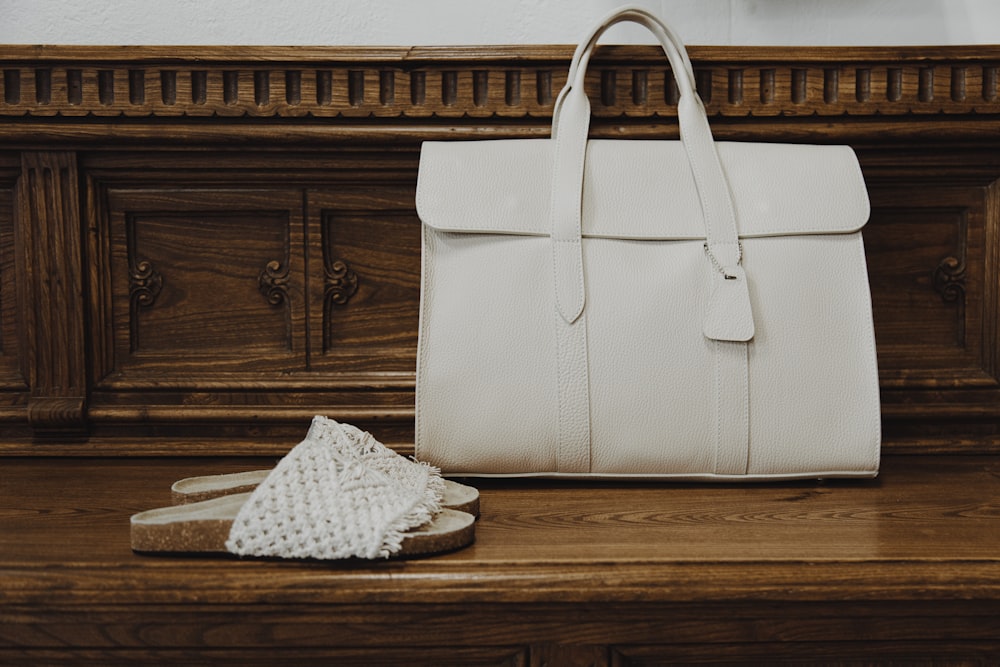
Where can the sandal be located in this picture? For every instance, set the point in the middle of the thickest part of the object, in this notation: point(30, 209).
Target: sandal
point(317, 503)
point(352, 441)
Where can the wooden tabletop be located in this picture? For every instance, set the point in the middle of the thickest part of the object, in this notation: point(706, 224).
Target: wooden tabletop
point(928, 528)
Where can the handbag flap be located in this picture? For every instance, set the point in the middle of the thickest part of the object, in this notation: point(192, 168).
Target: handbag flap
point(636, 189)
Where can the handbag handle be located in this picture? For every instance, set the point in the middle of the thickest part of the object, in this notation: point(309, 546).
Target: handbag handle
point(570, 127)
point(672, 45)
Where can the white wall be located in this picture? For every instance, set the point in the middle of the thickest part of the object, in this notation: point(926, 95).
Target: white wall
point(437, 22)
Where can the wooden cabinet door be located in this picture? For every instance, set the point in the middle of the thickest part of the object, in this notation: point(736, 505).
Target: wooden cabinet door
point(206, 284)
point(364, 290)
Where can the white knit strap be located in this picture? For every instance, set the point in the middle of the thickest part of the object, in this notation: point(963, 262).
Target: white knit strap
point(320, 503)
point(354, 443)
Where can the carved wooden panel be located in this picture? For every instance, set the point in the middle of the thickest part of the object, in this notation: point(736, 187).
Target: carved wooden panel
point(932, 246)
point(204, 282)
point(50, 298)
point(12, 380)
point(366, 308)
point(926, 248)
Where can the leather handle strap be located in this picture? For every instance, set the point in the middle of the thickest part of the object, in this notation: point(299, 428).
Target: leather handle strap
point(570, 127)
point(672, 45)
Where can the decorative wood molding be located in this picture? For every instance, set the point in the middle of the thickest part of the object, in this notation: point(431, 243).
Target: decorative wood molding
point(626, 82)
point(50, 295)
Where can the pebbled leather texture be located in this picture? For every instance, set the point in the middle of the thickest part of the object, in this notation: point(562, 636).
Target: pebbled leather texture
point(644, 309)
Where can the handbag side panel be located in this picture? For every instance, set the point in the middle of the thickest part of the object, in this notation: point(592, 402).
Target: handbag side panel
point(486, 357)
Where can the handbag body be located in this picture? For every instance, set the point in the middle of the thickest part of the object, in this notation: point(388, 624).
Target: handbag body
point(634, 309)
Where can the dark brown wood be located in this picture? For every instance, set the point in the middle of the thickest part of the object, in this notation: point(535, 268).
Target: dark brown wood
point(13, 385)
point(903, 568)
point(49, 258)
point(483, 82)
point(249, 250)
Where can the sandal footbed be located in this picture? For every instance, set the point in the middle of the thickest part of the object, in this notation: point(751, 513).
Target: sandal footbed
point(203, 527)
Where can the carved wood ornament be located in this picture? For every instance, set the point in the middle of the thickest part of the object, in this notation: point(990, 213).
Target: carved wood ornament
point(145, 284)
point(273, 282)
point(341, 282)
point(949, 279)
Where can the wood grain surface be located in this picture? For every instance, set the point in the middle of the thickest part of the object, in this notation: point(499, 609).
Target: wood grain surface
point(927, 528)
point(907, 560)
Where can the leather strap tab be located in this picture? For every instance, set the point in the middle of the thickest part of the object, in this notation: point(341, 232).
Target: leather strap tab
point(727, 314)
point(573, 455)
point(732, 392)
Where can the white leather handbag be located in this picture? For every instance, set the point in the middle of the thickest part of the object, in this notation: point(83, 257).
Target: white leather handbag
point(644, 309)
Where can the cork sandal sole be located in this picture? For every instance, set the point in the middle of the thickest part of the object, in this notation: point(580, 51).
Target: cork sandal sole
point(196, 489)
point(203, 527)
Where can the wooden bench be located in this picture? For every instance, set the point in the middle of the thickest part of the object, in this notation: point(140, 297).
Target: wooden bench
point(202, 248)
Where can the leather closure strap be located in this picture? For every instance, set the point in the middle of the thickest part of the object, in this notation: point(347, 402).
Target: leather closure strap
point(573, 455)
point(732, 408)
